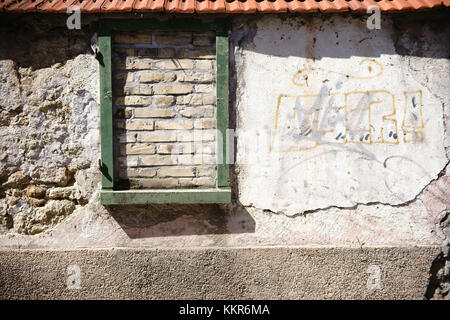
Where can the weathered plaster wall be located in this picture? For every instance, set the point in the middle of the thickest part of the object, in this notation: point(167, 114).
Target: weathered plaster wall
point(394, 191)
point(345, 121)
point(390, 193)
point(331, 80)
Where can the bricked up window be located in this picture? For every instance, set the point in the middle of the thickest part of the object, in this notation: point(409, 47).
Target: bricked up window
point(165, 109)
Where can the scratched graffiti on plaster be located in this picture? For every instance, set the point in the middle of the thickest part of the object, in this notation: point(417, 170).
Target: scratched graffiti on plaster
point(368, 69)
point(306, 121)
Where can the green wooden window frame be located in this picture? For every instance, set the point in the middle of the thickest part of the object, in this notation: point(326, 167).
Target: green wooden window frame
point(109, 193)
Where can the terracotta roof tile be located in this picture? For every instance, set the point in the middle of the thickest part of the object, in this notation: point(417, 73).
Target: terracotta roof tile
point(336, 6)
point(217, 6)
point(238, 6)
point(183, 6)
point(117, 5)
point(303, 6)
point(149, 5)
point(205, 6)
point(24, 6)
point(5, 3)
point(90, 6)
point(400, 5)
point(54, 6)
point(358, 6)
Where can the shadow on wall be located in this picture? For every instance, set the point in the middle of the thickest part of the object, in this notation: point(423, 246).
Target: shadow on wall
point(42, 40)
point(325, 36)
point(146, 221)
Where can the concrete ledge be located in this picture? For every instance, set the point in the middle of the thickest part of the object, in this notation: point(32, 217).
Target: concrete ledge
point(215, 273)
point(160, 196)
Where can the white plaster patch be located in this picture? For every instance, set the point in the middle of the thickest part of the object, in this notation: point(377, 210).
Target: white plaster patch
point(84, 74)
point(332, 116)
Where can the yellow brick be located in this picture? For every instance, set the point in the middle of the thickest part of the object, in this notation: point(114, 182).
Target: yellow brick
point(197, 77)
point(172, 89)
point(153, 113)
point(155, 52)
point(207, 171)
point(204, 182)
point(137, 64)
point(174, 124)
point(175, 64)
point(164, 101)
point(138, 89)
point(196, 54)
point(128, 161)
point(204, 123)
point(133, 38)
point(204, 64)
point(205, 88)
point(178, 148)
point(204, 39)
point(137, 172)
point(127, 137)
point(157, 136)
point(136, 125)
point(157, 77)
point(196, 135)
point(174, 38)
point(203, 111)
point(205, 148)
point(166, 52)
point(140, 148)
point(196, 99)
point(176, 172)
point(159, 183)
point(157, 160)
point(136, 100)
point(196, 159)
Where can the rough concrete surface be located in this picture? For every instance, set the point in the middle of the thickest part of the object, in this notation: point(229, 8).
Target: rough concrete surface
point(215, 273)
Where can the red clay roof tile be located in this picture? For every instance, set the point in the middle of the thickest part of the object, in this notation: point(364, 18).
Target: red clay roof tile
point(205, 6)
point(218, 6)
point(24, 5)
point(183, 6)
point(238, 6)
point(400, 5)
point(5, 3)
point(149, 5)
point(90, 6)
point(53, 6)
point(117, 5)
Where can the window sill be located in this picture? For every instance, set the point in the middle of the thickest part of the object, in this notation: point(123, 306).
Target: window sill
point(160, 196)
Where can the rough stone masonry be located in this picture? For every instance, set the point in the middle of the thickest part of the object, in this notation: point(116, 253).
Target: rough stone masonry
point(310, 218)
point(165, 100)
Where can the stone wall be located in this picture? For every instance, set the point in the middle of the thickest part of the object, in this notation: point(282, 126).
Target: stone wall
point(49, 125)
point(164, 95)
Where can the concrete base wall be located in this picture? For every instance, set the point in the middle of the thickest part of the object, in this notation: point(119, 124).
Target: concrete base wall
point(214, 273)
